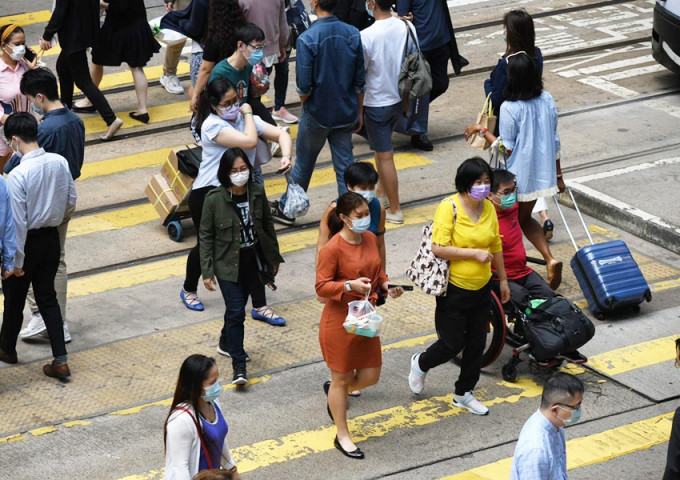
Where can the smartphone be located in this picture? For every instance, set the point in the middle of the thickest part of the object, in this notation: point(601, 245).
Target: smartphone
point(281, 171)
point(29, 55)
point(406, 288)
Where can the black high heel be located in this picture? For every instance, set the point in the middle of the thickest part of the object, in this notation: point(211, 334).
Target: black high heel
point(356, 454)
point(548, 228)
point(140, 117)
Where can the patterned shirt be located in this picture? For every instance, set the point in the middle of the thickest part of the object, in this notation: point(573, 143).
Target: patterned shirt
point(541, 451)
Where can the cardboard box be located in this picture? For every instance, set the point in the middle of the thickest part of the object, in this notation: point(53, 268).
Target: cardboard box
point(179, 182)
point(161, 196)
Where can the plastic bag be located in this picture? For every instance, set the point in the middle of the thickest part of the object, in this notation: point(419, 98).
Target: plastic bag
point(297, 201)
point(259, 81)
point(164, 35)
point(363, 319)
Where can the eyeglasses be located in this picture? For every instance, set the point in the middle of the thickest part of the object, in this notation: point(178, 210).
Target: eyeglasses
point(234, 171)
point(506, 192)
point(569, 407)
point(257, 48)
point(513, 54)
point(229, 103)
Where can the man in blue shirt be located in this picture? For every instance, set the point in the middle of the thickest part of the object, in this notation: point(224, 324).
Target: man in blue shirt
point(330, 80)
point(541, 451)
point(62, 132)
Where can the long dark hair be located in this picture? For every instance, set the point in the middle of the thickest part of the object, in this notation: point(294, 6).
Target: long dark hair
point(224, 17)
point(211, 97)
point(347, 203)
point(193, 372)
point(227, 163)
point(524, 79)
point(519, 28)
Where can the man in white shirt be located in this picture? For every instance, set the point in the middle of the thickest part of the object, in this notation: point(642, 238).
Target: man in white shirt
point(383, 44)
point(42, 194)
point(541, 451)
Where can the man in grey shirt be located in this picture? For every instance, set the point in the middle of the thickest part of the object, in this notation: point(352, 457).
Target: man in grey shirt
point(42, 194)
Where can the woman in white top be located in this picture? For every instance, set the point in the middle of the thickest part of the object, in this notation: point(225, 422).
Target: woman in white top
point(195, 433)
point(223, 125)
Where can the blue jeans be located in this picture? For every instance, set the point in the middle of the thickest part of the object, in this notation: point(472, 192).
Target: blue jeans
point(310, 140)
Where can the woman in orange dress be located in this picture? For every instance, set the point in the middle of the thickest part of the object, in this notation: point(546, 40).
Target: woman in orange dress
point(348, 269)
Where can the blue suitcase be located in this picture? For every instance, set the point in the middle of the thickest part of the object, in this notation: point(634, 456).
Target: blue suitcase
point(607, 273)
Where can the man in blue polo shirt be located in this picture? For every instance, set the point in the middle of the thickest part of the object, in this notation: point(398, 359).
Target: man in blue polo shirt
point(62, 132)
point(330, 80)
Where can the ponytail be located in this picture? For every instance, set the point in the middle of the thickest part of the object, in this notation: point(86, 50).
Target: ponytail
point(346, 204)
point(211, 97)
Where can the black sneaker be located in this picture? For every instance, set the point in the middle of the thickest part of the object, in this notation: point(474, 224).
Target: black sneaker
point(278, 215)
point(421, 142)
point(239, 376)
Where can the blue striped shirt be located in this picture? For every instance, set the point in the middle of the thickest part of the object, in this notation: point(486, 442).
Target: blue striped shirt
point(541, 451)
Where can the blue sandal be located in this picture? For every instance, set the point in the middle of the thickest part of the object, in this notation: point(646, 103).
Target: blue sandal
point(267, 315)
point(191, 301)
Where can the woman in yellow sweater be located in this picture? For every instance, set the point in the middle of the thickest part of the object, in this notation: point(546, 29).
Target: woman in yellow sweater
point(465, 232)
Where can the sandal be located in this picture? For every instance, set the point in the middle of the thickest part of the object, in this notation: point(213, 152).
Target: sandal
point(191, 300)
point(265, 314)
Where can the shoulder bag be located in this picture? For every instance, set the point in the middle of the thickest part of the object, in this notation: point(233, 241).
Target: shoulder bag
point(415, 79)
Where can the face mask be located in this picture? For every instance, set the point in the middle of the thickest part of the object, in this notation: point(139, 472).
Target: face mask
point(480, 192)
point(256, 57)
point(18, 52)
point(508, 200)
point(367, 194)
point(575, 416)
point(239, 179)
point(360, 225)
point(212, 392)
point(39, 111)
point(369, 11)
point(505, 39)
point(230, 114)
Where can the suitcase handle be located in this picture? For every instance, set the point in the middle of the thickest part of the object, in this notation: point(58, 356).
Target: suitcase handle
point(564, 220)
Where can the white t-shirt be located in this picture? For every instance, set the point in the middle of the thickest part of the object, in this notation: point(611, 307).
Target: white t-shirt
point(383, 44)
point(212, 152)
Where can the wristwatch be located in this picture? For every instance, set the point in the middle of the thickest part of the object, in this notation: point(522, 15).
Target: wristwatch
point(482, 132)
point(348, 287)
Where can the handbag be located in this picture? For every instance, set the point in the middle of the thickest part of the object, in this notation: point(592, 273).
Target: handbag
point(189, 161)
point(556, 326)
point(415, 79)
point(427, 271)
point(487, 120)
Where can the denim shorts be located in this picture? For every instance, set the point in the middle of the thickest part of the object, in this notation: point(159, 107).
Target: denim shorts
point(380, 123)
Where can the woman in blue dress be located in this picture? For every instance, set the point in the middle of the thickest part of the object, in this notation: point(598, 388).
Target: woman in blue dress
point(529, 140)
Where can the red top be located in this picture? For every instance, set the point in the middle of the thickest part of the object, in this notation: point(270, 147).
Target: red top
point(514, 255)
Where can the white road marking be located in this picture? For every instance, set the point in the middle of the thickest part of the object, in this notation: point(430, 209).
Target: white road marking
point(663, 106)
point(607, 66)
point(460, 3)
point(626, 170)
point(609, 87)
point(634, 72)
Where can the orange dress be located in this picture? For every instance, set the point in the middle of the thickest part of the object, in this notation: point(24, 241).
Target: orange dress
point(340, 261)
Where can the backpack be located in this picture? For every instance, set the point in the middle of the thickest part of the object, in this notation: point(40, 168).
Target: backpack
point(298, 20)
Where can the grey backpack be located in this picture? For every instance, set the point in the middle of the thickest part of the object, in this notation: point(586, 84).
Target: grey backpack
point(415, 79)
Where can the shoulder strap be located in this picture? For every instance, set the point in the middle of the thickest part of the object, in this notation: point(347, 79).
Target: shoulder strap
point(455, 209)
point(409, 34)
point(200, 437)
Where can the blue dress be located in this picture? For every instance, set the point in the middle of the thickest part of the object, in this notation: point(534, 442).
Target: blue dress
point(528, 132)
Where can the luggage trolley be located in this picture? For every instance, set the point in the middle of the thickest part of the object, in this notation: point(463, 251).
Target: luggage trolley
point(173, 222)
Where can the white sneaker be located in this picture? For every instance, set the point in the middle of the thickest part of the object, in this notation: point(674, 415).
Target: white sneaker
point(275, 149)
point(397, 217)
point(35, 326)
point(172, 84)
point(416, 377)
point(471, 403)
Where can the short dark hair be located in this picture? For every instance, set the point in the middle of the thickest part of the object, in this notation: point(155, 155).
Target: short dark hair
point(40, 80)
point(384, 5)
point(327, 5)
point(519, 28)
point(227, 163)
point(360, 173)
point(500, 176)
point(469, 172)
point(524, 78)
point(558, 387)
point(23, 125)
point(249, 32)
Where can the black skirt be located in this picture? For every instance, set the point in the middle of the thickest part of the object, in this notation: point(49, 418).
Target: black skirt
point(133, 44)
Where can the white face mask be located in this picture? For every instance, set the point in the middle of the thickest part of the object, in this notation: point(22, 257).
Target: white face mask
point(239, 179)
point(18, 52)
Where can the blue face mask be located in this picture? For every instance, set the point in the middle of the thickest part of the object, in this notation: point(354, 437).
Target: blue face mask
point(212, 392)
point(505, 39)
point(367, 194)
point(480, 192)
point(368, 10)
point(37, 110)
point(575, 416)
point(256, 57)
point(509, 200)
point(360, 225)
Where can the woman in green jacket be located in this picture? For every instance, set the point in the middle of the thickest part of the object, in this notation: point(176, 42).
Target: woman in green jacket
point(237, 240)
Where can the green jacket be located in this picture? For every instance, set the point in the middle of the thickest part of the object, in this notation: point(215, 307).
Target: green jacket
point(220, 231)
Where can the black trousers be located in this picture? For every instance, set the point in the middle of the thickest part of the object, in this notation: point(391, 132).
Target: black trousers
point(280, 82)
point(193, 272)
point(526, 288)
point(461, 319)
point(40, 267)
point(73, 68)
point(672, 471)
point(439, 62)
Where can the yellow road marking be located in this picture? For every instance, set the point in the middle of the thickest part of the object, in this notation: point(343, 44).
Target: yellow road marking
point(30, 18)
point(131, 216)
point(42, 431)
point(112, 80)
point(602, 231)
point(161, 113)
point(632, 357)
point(77, 423)
point(104, 168)
point(592, 449)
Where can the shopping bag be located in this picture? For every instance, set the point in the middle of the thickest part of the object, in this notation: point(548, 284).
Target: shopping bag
point(363, 319)
point(165, 35)
point(487, 120)
point(297, 201)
